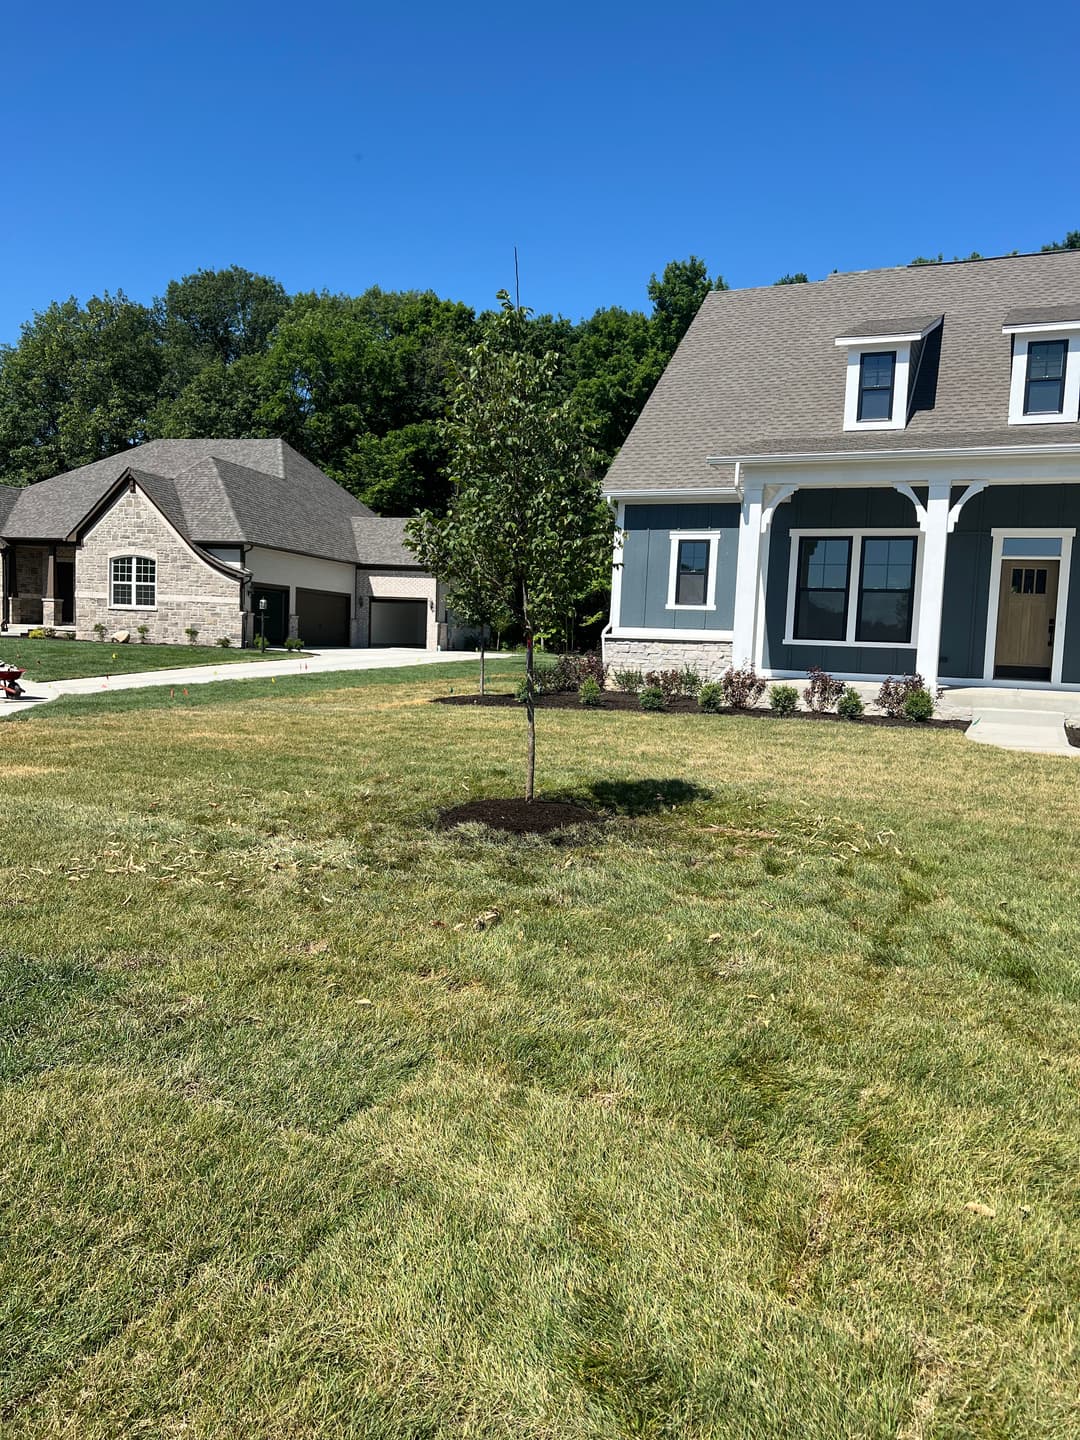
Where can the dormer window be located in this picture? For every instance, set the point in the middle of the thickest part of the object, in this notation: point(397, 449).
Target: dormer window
point(877, 373)
point(1045, 388)
point(882, 363)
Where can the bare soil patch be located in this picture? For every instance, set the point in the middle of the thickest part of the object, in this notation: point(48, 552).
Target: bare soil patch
point(517, 816)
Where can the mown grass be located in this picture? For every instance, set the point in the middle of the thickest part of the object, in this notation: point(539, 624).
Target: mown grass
point(320, 1122)
point(45, 660)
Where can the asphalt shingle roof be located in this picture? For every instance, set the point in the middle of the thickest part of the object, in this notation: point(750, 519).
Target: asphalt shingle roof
point(254, 492)
point(909, 325)
point(381, 541)
point(759, 371)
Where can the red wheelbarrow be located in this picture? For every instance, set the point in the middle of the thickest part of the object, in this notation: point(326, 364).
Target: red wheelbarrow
point(9, 682)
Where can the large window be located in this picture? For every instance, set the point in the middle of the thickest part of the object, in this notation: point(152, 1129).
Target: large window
point(821, 596)
point(133, 582)
point(1044, 387)
point(877, 372)
point(886, 590)
point(692, 573)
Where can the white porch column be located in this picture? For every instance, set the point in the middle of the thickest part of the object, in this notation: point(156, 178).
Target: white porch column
point(934, 523)
point(747, 578)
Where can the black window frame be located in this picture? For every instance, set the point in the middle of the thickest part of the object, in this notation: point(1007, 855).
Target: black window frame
point(908, 590)
point(707, 541)
point(801, 590)
point(1042, 380)
point(865, 389)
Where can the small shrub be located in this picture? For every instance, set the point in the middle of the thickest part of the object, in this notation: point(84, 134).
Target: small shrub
point(521, 692)
point(652, 697)
point(691, 681)
point(711, 698)
point(850, 705)
point(569, 671)
point(100, 631)
point(823, 691)
point(261, 644)
point(225, 642)
point(892, 697)
point(630, 680)
point(919, 705)
point(38, 634)
point(143, 632)
point(589, 692)
point(783, 699)
point(192, 633)
point(742, 688)
point(294, 643)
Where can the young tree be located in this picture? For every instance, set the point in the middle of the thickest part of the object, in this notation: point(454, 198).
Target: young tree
point(526, 520)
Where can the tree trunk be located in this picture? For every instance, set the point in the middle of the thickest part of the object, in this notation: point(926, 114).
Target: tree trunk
point(530, 716)
point(482, 677)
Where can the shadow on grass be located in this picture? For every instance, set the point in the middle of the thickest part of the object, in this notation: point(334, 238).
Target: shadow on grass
point(645, 797)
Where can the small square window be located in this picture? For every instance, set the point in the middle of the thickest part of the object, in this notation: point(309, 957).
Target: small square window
point(877, 374)
point(1044, 388)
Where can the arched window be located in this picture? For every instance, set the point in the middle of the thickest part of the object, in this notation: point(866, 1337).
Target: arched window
point(133, 582)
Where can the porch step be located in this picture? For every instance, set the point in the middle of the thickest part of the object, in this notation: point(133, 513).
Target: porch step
point(1042, 732)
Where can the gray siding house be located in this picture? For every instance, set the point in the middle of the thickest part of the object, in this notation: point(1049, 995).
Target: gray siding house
point(218, 536)
point(876, 473)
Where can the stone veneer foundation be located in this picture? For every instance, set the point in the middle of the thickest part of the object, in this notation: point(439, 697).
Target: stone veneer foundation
point(710, 658)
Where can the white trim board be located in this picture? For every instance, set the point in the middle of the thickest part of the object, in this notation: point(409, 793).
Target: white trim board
point(1000, 534)
point(856, 536)
point(645, 632)
point(1018, 380)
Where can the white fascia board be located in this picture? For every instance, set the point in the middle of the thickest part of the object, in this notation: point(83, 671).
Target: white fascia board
point(860, 457)
point(721, 492)
point(1057, 327)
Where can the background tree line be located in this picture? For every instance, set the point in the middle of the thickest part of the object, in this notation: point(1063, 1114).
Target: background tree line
point(356, 383)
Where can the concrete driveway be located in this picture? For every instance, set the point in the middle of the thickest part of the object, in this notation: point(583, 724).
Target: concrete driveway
point(322, 662)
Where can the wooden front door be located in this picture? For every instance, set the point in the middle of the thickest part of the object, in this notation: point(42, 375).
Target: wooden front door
point(1026, 611)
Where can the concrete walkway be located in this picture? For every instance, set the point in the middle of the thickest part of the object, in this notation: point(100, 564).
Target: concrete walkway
point(323, 662)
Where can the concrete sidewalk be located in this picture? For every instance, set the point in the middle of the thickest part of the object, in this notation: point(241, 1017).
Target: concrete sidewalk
point(324, 662)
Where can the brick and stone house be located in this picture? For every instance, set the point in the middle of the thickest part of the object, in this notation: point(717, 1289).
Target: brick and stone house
point(876, 473)
point(214, 536)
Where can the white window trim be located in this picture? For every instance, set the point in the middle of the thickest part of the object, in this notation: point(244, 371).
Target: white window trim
point(131, 555)
point(676, 537)
point(1071, 404)
point(856, 536)
point(902, 369)
point(997, 557)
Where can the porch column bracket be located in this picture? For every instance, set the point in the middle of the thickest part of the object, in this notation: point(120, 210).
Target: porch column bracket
point(785, 492)
point(971, 491)
point(920, 511)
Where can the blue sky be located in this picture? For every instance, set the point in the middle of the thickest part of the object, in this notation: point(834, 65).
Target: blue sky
point(338, 146)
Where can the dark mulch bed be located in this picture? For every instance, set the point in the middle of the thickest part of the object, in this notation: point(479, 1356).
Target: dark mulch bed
point(684, 705)
point(1072, 734)
point(519, 817)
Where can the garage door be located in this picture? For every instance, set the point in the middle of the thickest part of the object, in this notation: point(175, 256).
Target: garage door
point(399, 622)
point(322, 618)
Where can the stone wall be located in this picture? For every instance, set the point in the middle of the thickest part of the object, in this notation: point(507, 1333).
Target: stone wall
point(189, 591)
point(26, 603)
point(710, 658)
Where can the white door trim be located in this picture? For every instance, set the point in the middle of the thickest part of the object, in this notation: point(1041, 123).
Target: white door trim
point(997, 556)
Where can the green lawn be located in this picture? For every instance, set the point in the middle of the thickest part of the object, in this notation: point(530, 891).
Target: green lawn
point(319, 1122)
point(45, 660)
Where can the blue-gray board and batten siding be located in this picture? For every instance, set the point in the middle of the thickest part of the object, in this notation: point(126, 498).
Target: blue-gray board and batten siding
point(647, 558)
point(647, 561)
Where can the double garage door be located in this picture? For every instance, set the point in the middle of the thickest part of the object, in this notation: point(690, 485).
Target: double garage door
point(322, 618)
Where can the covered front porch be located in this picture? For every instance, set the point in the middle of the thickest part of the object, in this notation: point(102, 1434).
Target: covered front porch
point(963, 576)
point(37, 585)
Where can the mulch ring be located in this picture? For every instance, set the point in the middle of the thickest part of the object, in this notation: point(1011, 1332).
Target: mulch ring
point(1072, 734)
point(518, 817)
point(686, 705)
